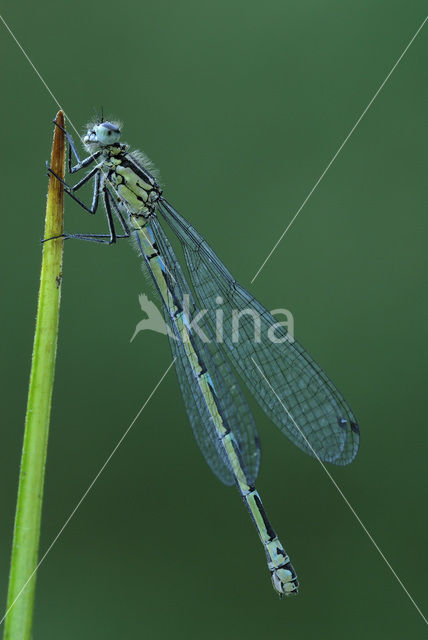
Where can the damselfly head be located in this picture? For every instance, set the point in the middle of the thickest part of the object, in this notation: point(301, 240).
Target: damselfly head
point(102, 135)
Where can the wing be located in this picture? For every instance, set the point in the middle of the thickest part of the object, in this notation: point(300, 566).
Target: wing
point(284, 379)
point(230, 400)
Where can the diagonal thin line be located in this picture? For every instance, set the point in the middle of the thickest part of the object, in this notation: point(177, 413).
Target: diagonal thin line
point(56, 100)
point(338, 151)
point(171, 364)
point(378, 549)
point(36, 71)
point(85, 494)
point(88, 489)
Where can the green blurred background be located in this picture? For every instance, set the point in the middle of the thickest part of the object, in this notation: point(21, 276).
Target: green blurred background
point(241, 105)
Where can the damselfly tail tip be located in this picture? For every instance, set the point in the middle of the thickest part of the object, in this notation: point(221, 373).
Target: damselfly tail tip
point(285, 581)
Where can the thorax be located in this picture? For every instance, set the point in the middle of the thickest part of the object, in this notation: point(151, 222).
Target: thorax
point(130, 182)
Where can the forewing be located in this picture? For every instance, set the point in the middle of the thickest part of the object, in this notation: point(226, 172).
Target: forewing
point(231, 401)
point(285, 380)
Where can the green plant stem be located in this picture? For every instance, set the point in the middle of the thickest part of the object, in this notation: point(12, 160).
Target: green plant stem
point(22, 579)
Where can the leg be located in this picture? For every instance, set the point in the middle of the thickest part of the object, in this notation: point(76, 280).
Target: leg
point(109, 215)
point(107, 198)
point(109, 238)
point(79, 184)
point(89, 237)
point(95, 172)
point(108, 201)
point(81, 164)
point(123, 224)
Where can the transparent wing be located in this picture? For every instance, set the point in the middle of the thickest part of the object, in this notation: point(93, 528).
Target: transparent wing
point(230, 400)
point(198, 414)
point(305, 404)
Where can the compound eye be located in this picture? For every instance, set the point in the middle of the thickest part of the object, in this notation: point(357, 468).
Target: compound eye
point(108, 133)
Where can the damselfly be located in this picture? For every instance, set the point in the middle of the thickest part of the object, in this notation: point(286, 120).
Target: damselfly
point(289, 386)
